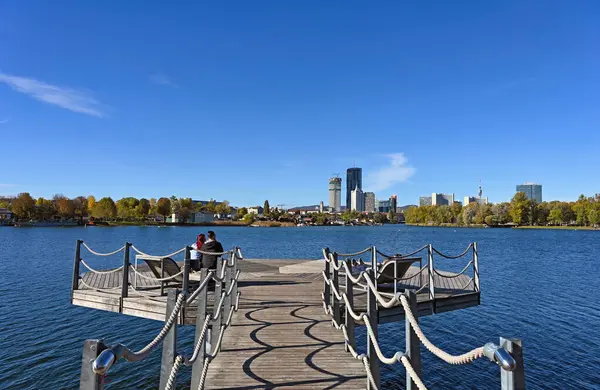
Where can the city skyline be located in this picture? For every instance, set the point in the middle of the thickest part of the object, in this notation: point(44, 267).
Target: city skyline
point(144, 110)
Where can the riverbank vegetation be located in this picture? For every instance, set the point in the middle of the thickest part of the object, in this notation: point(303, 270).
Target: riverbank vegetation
point(519, 211)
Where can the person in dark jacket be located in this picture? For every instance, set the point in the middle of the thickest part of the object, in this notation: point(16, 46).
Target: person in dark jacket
point(211, 245)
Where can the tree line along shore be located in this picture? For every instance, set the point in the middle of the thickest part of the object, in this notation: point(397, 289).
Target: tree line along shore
point(520, 211)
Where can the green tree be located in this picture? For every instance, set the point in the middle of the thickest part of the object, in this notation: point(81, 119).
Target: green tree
point(580, 209)
point(80, 207)
point(126, 207)
point(163, 207)
point(64, 206)
point(490, 220)
point(91, 202)
point(44, 209)
point(249, 218)
point(186, 208)
point(455, 211)
point(223, 208)
point(594, 215)
point(267, 209)
point(143, 208)
point(469, 212)
point(23, 205)
point(483, 211)
point(380, 217)
point(211, 206)
point(500, 211)
point(542, 213)
point(520, 208)
point(105, 208)
point(241, 212)
point(556, 216)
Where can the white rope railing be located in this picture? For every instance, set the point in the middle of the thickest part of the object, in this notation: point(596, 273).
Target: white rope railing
point(364, 318)
point(355, 253)
point(169, 255)
point(99, 253)
point(95, 271)
point(454, 275)
point(453, 257)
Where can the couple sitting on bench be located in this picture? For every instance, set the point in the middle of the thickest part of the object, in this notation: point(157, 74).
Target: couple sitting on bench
point(166, 267)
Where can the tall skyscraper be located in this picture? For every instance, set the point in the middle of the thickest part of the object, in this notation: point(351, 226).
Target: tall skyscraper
point(532, 190)
point(335, 193)
point(357, 200)
point(370, 202)
point(353, 181)
point(393, 203)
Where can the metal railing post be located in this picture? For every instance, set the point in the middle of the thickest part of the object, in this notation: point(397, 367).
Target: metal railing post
point(227, 302)
point(234, 272)
point(413, 344)
point(200, 318)
point(169, 343)
point(88, 379)
point(513, 380)
point(335, 303)
point(350, 296)
point(475, 268)
point(326, 287)
point(216, 324)
point(75, 284)
point(373, 314)
point(125, 282)
point(431, 273)
point(186, 269)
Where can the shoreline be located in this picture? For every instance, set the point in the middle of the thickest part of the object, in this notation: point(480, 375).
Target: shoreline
point(449, 225)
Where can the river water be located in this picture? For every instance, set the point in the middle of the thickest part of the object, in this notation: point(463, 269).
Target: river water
point(542, 286)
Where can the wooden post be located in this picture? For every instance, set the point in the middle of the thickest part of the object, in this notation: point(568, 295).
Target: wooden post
point(200, 318)
point(75, 284)
point(169, 343)
point(335, 303)
point(513, 380)
point(431, 274)
point(413, 345)
point(374, 263)
point(372, 312)
point(349, 319)
point(326, 287)
point(475, 268)
point(125, 283)
point(88, 379)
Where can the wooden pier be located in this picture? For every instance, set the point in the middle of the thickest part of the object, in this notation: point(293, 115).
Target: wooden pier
point(279, 333)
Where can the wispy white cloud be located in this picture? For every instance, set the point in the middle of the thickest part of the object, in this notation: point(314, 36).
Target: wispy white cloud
point(4, 185)
point(3, 121)
point(72, 99)
point(162, 79)
point(396, 171)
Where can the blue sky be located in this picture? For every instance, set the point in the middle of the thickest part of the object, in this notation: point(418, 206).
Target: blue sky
point(248, 100)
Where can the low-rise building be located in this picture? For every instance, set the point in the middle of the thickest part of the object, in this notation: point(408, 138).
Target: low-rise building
point(425, 201)
point(475, 199)
point(257, 210)
point(442, 199)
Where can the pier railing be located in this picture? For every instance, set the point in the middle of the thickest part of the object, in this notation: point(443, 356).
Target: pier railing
point(99, 357)
point(508, 355)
